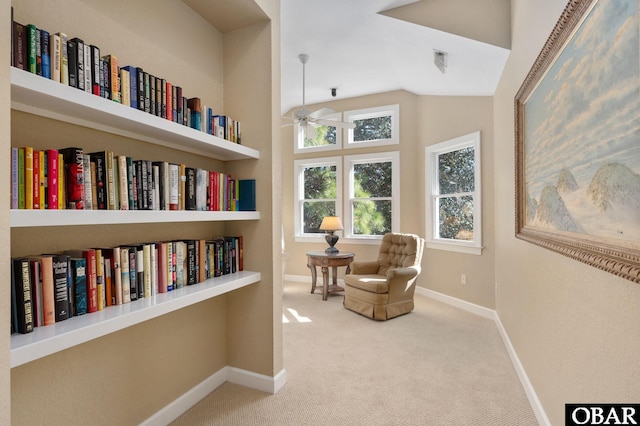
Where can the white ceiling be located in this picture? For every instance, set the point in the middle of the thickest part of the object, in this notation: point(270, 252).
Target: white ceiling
point(359, 51)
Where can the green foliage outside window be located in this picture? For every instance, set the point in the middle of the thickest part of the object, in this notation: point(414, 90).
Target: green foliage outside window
point(456, 178)
point(319, 193)
point(373, 216)
point(324, 135)
point(371, 129)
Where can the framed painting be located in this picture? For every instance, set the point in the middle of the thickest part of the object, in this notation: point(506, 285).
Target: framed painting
point(577, 136)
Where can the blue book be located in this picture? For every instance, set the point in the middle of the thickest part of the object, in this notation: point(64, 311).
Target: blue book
point(133, 85)
point(247, 194)
point(79, 283)
point(45, 54)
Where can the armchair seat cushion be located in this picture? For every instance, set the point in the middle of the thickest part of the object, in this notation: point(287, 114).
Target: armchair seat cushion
point(372, 283)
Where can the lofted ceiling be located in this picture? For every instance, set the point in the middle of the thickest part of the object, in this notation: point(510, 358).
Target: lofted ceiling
point(362, 47)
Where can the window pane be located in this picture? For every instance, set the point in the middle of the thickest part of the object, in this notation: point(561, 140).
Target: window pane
point(372, 180)
point(456, 217)
point(325, 135)
point(456, 171)
point(320, 182)
point(371, 217)
point(313, 212)
point(370, 129)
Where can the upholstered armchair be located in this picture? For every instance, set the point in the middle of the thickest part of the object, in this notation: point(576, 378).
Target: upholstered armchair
point(384, 288)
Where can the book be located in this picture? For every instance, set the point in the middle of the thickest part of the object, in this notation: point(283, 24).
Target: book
point(95, 69)
point(56, 57)
point(79, 285)
point(20, 46)
point(100, 160)
point(52, 171)
point(111, 63)
point(61, 183)
point(22, 292)
point(162, 267)
point(191, 262)
point(174, 186)
point(61, 286)
point(45, 53)
point(132, 85)
point(48, 292)
point(124, 273)
point(247, 194)
point(14, 177)
point(123, 182)
point(87, 182)
point(36, 179)
point(74, 177)
point(125, 87)
point(140, 89)
point(32, 48)
point(28, 177)
point(64, 59)
point(91, 273)
point(112, 200)
point(72, 62)
point(36, 291)
point(100, 279)
point(190, 189)
point(88, 82)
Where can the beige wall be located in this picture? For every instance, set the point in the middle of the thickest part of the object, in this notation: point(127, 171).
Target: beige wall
point(573, 326)
point(424, 120)
point(5, 253)
point(125, 377)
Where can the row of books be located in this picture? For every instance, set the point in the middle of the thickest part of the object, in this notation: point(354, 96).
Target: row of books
point(51, 288)
point(72, 179)
point(76, 63)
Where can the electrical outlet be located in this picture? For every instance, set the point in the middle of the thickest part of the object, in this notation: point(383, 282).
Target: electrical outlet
point(463, 279)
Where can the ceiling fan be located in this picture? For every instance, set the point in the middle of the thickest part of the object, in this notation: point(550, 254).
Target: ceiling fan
point(308, 119)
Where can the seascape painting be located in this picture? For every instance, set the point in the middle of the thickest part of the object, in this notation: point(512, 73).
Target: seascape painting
point(578, 138)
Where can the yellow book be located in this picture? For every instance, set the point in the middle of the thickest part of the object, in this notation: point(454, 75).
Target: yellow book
point(62, 181)
point(28, 177)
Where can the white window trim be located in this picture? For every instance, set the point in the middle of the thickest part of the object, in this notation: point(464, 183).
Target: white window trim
point(298, 146)
point(382, 111)
point(431, 154)
point(298, 179)
point(349, 161)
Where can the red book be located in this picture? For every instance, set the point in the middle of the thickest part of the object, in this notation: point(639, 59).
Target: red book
point(162, 267)
point(92, 278)
point(52, 179)
point(169, 101)
point(74, 177)
point(36, 180)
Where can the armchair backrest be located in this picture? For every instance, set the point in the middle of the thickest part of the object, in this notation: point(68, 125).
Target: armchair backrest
point(399, 251)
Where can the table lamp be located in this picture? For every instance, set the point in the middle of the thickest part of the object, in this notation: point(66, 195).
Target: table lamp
point(331, 224)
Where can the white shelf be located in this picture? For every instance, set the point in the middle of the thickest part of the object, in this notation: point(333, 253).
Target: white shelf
point(44, 341)
point(40, 96)
point(38, 218)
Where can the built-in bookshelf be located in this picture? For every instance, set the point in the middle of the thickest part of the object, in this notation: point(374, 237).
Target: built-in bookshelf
point(39, 96)
point(43, 341)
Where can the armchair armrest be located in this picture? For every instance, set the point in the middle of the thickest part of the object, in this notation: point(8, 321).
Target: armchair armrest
point(402, 273)
point(401, 283)
point(364, 267)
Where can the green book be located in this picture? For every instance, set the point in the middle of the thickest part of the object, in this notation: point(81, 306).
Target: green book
point(32, 34)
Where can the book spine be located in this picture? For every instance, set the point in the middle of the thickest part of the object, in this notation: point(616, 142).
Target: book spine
point(169, 102)
point(64, 59)
point(124, 270)
point(147, 92)
point(20, 42)
point(45, 49)
point(133, 277)
point(36, 179)
point(132, 85)
point(162, 267)
point(140, 89)
point(95, 70)
point(140, 271)
point(61, 287)
point(52, 179)
point(14, 178)
point(79, 279)
point(118, 296)
point(72, 55)
point(147, 270)
point(36, 292)
point(100, 281)
point(125, 87)
point(123, 182)
point(31, 48)
point(88, 65)
point(22, 289)
point(39, 51)
point(163, 97)
point(74, 176)
point(108, 281)
point(111, 188)
point(28, 177)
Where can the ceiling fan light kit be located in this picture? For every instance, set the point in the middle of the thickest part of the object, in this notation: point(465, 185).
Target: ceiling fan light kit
point(307, 118)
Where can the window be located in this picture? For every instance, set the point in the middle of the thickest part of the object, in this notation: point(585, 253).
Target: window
point(320, 138)
point(318, 193)
point(374, 126)
point(453, 195)
point(372, 205)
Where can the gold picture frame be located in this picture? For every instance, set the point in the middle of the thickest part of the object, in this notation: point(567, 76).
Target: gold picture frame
point(577, 136)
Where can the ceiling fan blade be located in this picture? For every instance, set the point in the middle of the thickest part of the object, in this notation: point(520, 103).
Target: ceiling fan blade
point(335, 123)
point(321, 112)
point(309, 131)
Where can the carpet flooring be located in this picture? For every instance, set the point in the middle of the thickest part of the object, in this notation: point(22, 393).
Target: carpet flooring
point(438, 365)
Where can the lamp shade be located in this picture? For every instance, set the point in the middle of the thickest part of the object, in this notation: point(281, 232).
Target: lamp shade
point(331, 223)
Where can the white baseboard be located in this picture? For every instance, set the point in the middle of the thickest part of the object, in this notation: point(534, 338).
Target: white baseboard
point(536, 406)
point(227, 374)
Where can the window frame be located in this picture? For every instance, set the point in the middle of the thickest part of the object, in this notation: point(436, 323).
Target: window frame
point(378, 157)
point(298, 146)
point(299, 167)
point(432, 154)
point(382, 111)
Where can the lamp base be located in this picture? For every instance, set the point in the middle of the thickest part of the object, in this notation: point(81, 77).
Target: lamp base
point(332, 239)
